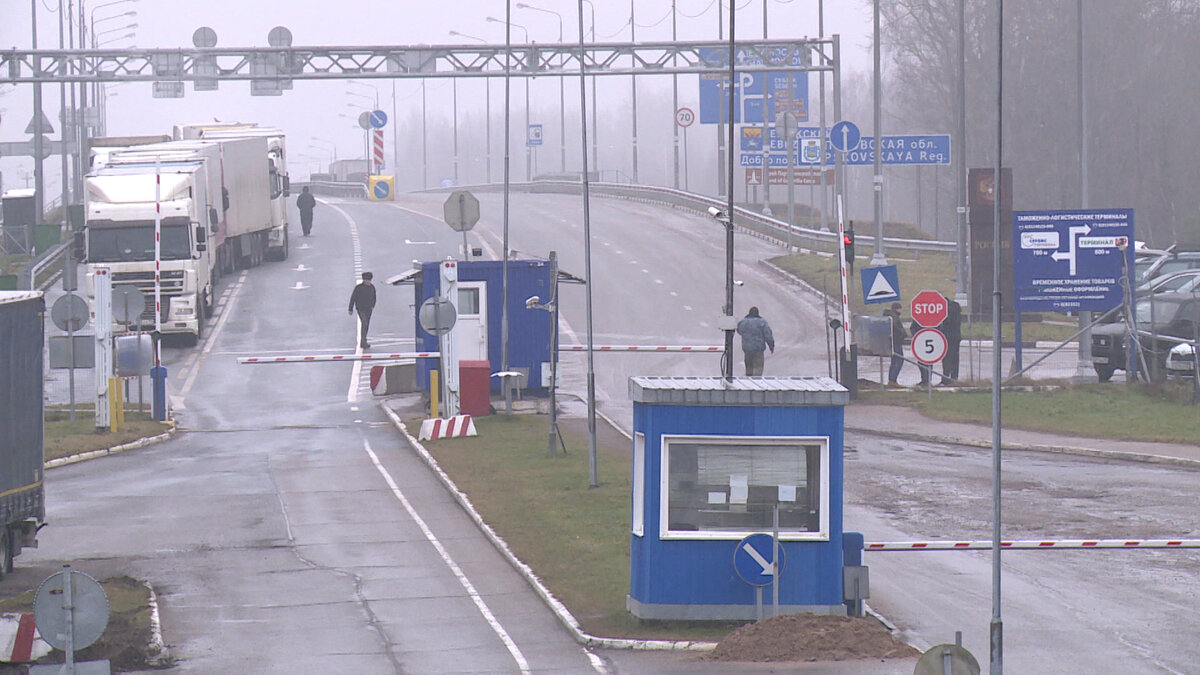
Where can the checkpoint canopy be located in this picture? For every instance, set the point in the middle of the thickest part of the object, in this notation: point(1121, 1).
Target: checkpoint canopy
point(712, 461)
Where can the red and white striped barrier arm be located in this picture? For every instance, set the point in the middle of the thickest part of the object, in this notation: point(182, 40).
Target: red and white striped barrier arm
point(318, 358)
point(20, 641)
point(1030, 544)
point(454, 427)
point(642, 348)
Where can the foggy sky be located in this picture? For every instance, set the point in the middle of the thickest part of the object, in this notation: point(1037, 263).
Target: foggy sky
point(329, 110)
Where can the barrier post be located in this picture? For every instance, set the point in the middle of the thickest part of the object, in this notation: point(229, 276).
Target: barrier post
point(433, 393)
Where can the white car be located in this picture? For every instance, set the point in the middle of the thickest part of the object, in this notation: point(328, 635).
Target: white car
point(1181, 361)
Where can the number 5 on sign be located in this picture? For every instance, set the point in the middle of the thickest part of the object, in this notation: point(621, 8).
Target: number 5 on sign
point(929, 345)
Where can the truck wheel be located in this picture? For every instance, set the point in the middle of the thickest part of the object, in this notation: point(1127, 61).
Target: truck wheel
point(1105, 373)
point(6, 552)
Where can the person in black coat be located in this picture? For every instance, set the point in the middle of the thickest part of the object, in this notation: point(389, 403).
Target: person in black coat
point(306, 203)
point(951, 327)
point(363, 299)
point(897, 344)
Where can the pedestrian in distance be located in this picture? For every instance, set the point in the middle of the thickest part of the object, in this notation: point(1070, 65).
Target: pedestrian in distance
point(898, 336)
point(756, 339)
point(952, 329)
point(363, 299)
point(306, 203)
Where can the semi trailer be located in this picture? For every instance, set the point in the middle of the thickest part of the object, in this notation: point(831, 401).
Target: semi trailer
point(22, 498)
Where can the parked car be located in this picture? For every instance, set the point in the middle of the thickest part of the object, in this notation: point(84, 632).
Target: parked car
point(1181, 362)
point(1172, 262)
point(1163, 320)
point(1185, 281)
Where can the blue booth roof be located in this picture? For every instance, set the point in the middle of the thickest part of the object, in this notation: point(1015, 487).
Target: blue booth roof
point(751, 391)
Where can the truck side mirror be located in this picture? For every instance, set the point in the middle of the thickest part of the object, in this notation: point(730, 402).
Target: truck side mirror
point(287, 186)
point(225, 199)
point(212, 219)
point(201, 235)
point(79, 244)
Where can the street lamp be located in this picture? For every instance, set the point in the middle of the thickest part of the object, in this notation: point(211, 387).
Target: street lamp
point(595, 128)
point(528, 148)
point(487, 122)
point(562, 105)
point(551, 306)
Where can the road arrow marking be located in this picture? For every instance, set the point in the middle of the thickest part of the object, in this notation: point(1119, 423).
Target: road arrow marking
point(301, 268)
point(419, 243)
point(299, 286)
point(768, 569)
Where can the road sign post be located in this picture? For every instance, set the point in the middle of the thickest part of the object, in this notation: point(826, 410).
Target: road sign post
point(461, 212)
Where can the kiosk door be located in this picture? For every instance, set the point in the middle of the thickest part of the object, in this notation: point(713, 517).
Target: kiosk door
point(471, 327)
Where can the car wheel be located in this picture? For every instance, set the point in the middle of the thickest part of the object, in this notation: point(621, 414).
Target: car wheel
point(1105, 373)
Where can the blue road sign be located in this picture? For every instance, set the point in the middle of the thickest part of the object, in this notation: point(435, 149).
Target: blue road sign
point(880, 284)
point(785, 91)
point(534, 136)
point(378, 119)
point(382, 189)
point(845, 136)
point(1075, 260)
point(753, 558)
point(906, 150)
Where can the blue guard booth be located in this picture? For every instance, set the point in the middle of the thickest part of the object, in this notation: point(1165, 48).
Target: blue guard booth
point(480, 308)
point(713, 461)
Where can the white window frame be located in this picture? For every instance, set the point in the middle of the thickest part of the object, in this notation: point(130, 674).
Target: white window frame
point(821, 534)
point(639, 484)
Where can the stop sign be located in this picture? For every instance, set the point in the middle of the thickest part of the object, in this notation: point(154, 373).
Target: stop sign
point(929, 308)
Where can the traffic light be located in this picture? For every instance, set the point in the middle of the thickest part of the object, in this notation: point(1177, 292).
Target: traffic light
point(848, 241)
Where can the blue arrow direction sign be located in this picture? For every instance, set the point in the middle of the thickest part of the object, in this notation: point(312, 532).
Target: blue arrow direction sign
point(378, 119)
point(844, 136)
point(754, 557)
point(905, 150)
point(382, 190)
point(880, 284)
point(1074, 260)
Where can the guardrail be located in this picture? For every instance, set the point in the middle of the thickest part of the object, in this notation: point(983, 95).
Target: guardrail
point(334, 188)
point(745, 219)
point(43, 271)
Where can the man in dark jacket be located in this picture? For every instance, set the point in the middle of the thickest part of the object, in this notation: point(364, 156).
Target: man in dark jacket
point(306, 203)
point(363, 299)
point(756, 338)
point(952, 328)
point(897, 344)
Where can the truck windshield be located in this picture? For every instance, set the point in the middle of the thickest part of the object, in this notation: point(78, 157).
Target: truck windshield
point(130, 241)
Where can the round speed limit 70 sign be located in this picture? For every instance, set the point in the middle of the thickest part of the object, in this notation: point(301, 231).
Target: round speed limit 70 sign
point(685, 117)
point(929, 345)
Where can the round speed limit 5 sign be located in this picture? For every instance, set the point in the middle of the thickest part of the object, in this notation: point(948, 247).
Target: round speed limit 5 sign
point(929, 345)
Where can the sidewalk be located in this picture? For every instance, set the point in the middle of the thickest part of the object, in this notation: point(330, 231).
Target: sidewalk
point(901, 422)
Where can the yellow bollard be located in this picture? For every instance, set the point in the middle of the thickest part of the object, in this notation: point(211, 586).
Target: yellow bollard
point(116, 405)
point(433, 393)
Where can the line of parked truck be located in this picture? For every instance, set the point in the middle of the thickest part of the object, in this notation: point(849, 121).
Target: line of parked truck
point(218, 195)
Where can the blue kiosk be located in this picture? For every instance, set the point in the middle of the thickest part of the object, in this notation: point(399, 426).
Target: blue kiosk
point(718, 468)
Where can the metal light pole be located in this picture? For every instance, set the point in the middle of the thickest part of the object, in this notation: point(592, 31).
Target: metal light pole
point(1083, 368)
point(766, 130)
point(960, 162)
point(633, 89)
point(593, 479)
point(595, 122)
point(997, 624)
point(424, 142)
point(728, 357)
point(562, 105)
point(509, 25)
point(504, 244)
point(675, 94)
point(38, 177)
point(878, 258)
point(487, 123)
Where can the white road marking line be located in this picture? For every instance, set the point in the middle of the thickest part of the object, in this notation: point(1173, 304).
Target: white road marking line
point(454, 568)
point(356, 368)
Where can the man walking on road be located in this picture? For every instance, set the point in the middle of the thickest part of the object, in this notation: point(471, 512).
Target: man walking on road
point(898, 336)
point(306, 203)
point(363, 299)
point(756, 338)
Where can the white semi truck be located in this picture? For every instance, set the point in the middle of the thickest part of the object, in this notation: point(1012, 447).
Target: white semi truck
point(277, 241)
point(212, 200)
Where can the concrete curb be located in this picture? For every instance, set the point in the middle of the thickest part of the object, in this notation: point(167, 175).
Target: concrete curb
point(104, 452)
point(564, 615)
point(1034, 447)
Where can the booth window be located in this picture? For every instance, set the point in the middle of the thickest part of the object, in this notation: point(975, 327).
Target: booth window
point(730, 486)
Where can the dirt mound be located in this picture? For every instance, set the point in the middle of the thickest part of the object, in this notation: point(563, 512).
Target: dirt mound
point(811, 637)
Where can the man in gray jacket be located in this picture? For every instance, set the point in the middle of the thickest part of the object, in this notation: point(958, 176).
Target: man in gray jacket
point(756, 339)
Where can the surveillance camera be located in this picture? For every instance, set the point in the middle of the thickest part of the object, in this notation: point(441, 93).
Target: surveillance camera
point(715, 212)
point(531, 301)
point(738, 282)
